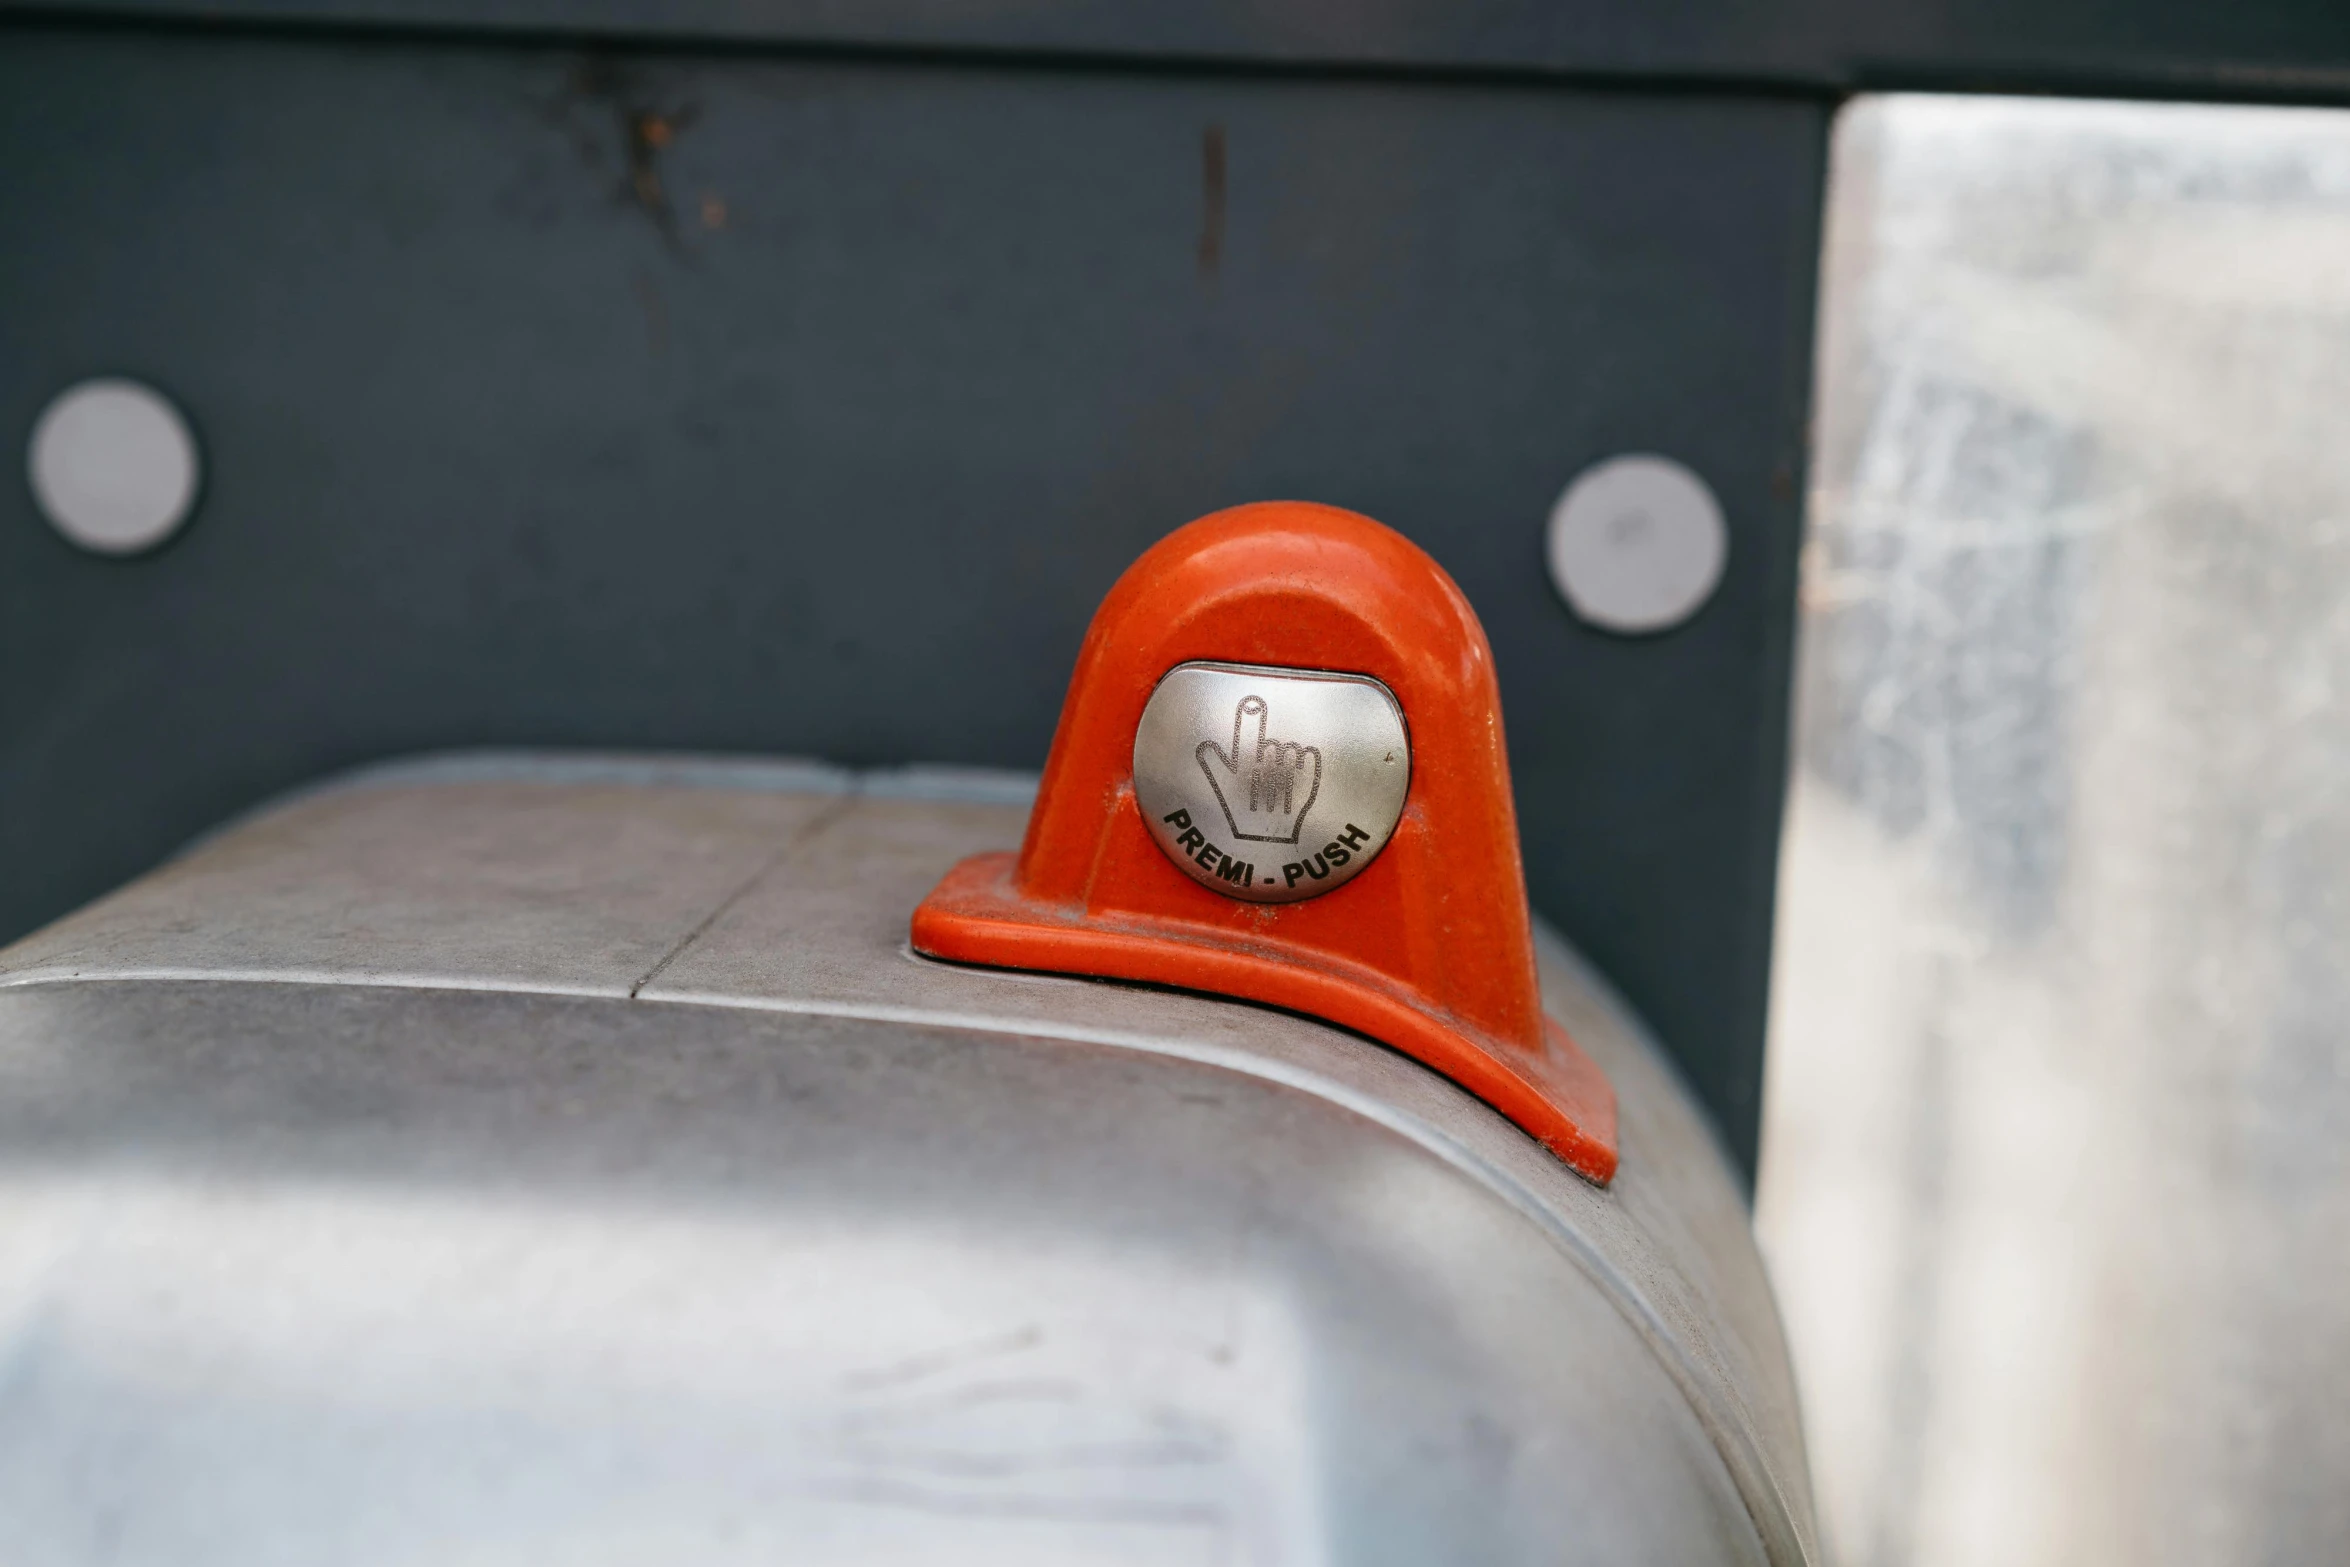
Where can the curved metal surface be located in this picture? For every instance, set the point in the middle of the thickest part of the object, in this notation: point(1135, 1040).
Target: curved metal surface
point(329, 1247)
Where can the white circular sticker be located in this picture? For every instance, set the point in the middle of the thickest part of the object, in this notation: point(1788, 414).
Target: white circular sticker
point(1637, 544)
point(113, 466)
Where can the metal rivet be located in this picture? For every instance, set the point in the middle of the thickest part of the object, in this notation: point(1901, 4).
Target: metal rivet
point(1271, 785)
point(113, 466)
point(1637, 544)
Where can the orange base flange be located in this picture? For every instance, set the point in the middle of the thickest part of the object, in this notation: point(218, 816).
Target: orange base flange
point(1429, 949)
point(976, 915)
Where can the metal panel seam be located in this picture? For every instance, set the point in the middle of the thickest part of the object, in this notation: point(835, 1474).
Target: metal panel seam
point(807, 832)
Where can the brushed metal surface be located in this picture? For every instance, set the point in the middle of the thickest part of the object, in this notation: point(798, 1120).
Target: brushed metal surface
point(1271, 785)
point(2056, 1180)
point(813, 1247)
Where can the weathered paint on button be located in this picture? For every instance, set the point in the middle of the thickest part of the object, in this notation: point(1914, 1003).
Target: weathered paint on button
point(1271, 784)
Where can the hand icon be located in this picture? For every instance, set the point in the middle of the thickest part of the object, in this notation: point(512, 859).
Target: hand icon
point(1270, 780)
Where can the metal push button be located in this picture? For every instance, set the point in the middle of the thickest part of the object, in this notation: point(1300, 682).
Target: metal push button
point(1280, 773)
point(1270, 785)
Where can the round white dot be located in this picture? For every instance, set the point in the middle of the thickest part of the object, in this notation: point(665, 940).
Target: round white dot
point(113, 466)
point(1637, 544)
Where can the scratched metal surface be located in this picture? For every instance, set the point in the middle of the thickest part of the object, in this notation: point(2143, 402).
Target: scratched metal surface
point(2056, 1177)
point(341, 1222)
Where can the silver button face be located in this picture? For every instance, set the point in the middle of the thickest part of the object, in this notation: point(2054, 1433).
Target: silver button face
point(1271, 784)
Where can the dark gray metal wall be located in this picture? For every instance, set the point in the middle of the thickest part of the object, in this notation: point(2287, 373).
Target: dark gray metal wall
point(820, 420)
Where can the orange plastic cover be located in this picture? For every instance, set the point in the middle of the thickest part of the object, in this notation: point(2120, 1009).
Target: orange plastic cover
point(1430, 949)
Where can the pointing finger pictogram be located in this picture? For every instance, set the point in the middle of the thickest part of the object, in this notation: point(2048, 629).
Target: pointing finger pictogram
point(1266, 792)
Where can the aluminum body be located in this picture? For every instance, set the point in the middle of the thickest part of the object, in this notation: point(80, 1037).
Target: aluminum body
point(571, 1161)
point(1271, 785)
point(2056, 1181)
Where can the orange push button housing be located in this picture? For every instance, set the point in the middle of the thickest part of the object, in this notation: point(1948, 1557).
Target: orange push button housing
point(1429, 948)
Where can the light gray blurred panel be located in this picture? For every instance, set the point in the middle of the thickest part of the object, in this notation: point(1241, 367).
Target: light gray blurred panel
point(476, 883)
point(2056, 1174)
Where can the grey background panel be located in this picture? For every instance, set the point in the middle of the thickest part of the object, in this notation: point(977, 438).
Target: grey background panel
point(2293, 47)
point(820, 422)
